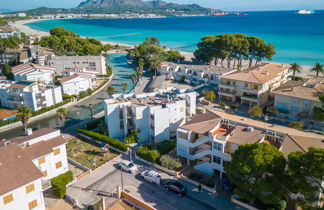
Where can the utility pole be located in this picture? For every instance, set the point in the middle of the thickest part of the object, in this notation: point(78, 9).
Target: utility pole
point(122, 179)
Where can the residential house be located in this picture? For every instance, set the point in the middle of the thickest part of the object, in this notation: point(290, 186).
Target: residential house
point(254, 85)
point(27, 93)
point(156, 115)
point(6, 32)
point(33, 72)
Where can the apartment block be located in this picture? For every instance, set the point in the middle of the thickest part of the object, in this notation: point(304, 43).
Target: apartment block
point(194, 74)
point(27, 93)
point(89, 63)
point(33, 72)
point(253, 86)
point(156, 115)
point(208, 139)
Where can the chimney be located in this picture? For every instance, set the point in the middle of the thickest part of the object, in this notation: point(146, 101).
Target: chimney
point(29, 131)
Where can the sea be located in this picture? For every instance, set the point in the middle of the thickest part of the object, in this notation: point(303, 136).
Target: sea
point(298, 38)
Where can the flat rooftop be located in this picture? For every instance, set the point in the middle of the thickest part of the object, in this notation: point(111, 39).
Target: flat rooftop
point(209, 68)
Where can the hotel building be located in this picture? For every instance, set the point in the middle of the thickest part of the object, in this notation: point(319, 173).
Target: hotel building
point(33, 72)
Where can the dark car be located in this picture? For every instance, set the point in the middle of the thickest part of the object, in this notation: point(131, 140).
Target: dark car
point(228, 185)
point(176, 187)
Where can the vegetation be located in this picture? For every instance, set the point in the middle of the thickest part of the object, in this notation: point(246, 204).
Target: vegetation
point(134, 77)
point(202, 178)
point(150, 54)
point(169, 162)
point(59, 184)
point(233, 106)
point(24, 114)
point(255, 111)
point(46, 109)
point(4, 21)
point(8, 43)
point(209, 95)
point(110, 90)
point(124, 86)
point(94, 124)
point(298, 125)
point(65, 42)
point(234, 48)
point(318, 111)
point(152, 156)
point(165, 147)
point(112, 142)
point(61, 112)
point(222, 105)
point(132, 136)
point(257, 171)
point(295, 68)
point(7, 71)
point(318, 68)
point(183, 78)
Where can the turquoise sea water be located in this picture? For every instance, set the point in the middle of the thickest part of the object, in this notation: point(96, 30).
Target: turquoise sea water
point(298, 38)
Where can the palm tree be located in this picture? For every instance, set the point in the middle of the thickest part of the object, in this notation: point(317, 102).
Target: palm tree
point(24, 114)
point(133, 77)
point(295, 67)
point(91, 107)
point(318, 68)
point(139, 72)
point(110, 90)
point(61, 112)
point(124, 86)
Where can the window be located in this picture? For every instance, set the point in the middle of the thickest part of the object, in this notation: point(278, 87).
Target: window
point(306, 102)
point(217, 160)
point(218, 146)
point(30, 188)
point(255, 87)
point(44, 173)
point(57, 151)
point(32, 204)
point(58, 165)
point(295, 100)
point(7, 199)
point(182, 135)
point(294, 108)
point(41, 160)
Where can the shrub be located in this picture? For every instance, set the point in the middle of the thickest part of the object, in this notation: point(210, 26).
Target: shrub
point(298, 125)
point(222, 105)
point(94, 124)
point(46, 109)
point(89, 91)
point(59, 183)
point(148, 155)
point(112, 142)
point(165, 147)
point(83, 94)
point(170, 162)
point(233, 106)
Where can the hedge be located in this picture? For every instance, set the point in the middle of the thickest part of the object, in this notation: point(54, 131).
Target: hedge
point(46, 109)
point(152, 156)
point(112, 142)
point(7, 122)
point(59, 183)
point(94, 124)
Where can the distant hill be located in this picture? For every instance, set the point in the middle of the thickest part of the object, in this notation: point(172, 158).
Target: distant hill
point(125, 6)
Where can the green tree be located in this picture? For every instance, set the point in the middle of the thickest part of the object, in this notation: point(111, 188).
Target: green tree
point(59, 31)
point(24, 114)
point(124, 86)
point(222, 105)
point(139, 72)
point(318, 111)
point(183, 78)
point(209, 95)
point(255, 111)
point(8, 43)
point(298, 125)
point(7, 71)
point(133, 77)
point(170, 162)
point(258, 172)
point(61, 113)
point(91, 107)
point(306, 172)
point(295, 68)
point(318, 68)
point(110, 90)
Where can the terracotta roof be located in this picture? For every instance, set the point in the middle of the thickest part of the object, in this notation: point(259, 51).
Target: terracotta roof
point(17, 169)
point(65, 79)
point(202, 123)
point(258, 74)
point(30, 68)
point(240, 135)
point(43, 147)
point(302, 92)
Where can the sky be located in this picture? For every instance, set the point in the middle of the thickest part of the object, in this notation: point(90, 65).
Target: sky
point(237, 5)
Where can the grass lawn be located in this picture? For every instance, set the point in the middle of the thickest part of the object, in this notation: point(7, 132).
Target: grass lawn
point(84, 152)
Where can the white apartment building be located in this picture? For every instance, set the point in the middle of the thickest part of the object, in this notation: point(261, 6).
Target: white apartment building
point(89, 63)
point(253, 86)
point(156, 115)
point(194, 74)
point(76, 80)
point(27, 164)
point(27, 93)
point(6, 32)
point(33, 72)
point(208, 140)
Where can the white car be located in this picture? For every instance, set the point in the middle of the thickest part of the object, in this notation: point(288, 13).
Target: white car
point(128, 166)
point(152, 176)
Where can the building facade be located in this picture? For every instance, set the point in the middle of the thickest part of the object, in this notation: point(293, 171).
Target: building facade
point(253, 86)
point(27, 93)
point(156, 115)
point(33, 72)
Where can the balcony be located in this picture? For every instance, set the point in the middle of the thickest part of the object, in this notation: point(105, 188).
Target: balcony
point(226, 93)
point(226, 85)
point(247, 97)
point(199, 141)
point(250, 90)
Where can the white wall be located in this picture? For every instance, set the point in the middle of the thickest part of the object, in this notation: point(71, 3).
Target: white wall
point(75, 86)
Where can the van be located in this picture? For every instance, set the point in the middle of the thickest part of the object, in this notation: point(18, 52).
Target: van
point(152, 176)
point(128, 166)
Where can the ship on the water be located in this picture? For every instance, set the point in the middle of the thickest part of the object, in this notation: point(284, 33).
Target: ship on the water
point(305, 12)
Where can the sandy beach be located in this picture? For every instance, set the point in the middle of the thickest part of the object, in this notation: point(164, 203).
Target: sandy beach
point(20, 25)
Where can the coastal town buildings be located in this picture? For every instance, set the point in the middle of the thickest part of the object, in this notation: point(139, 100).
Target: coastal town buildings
point(156, 115)
point(6, 32)
point(253, 86)
point(27, 164)
point(27, 93)
point(89, 63)
point(208, 139)
point(33, 72)
point(194, 74)
point(76, 80)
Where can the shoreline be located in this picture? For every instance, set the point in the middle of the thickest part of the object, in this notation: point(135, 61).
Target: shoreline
point(21, 25)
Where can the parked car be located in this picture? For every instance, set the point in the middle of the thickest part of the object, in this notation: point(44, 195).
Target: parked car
point(128, 166)
point(176, 187)
point(228, 185)
point(152, 176)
